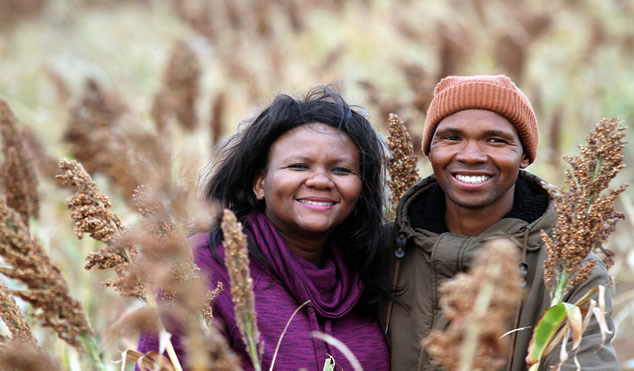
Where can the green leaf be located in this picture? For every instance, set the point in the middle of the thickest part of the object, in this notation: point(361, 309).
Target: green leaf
point(329, 364)
point(546, 328)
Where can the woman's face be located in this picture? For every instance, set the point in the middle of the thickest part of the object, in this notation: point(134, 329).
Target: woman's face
point(312, 181)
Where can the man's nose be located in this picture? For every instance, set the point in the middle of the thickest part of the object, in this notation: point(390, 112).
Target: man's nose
point(471, 152)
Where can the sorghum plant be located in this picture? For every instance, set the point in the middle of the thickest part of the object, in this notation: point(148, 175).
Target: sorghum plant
point(19, 181)
point(46, 290)
point(402, 164)
point(585, 210)
point(237, 261)
point(488, 294)
point(12, 316)
point(585, 219)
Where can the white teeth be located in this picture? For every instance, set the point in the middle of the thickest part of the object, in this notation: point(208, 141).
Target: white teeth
point(472, 179)
point(317, 203)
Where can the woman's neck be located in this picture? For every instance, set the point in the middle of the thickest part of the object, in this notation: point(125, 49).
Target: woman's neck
point(310, 249)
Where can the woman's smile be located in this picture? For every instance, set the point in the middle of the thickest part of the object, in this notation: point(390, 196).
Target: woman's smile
point(317, 203)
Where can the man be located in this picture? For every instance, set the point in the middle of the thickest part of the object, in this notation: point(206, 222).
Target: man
point(480, 132)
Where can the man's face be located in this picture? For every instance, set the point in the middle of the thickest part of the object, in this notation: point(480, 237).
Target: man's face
point(476, 156)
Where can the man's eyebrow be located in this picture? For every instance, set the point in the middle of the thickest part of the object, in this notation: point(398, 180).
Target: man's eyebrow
point(498, 133)
point(449, 130)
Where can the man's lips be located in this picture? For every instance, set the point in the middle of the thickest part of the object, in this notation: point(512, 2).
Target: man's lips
point(472, 178)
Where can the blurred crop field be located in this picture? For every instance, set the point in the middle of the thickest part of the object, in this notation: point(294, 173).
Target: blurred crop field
point(92, 79)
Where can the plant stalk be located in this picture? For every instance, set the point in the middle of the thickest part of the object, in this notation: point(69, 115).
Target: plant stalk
point(253, 348)
point(561, 285)
point(90, 344)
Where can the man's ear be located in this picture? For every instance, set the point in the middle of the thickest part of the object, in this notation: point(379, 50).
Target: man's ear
point(525, 161)
point(258, 186)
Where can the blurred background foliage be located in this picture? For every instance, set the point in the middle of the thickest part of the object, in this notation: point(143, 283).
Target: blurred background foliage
point(183, 74)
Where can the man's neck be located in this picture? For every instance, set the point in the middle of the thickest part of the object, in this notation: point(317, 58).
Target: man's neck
point(472, 222)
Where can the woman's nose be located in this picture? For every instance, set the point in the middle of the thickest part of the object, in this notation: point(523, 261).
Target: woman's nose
point(319, 178)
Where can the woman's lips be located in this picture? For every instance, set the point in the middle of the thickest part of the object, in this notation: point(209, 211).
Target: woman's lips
point(317, 204)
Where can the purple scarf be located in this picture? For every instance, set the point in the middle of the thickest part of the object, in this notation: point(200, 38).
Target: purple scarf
point(332, 290)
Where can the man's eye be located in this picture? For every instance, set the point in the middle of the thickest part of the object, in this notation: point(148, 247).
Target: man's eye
point(451, 137)
point(495, 140)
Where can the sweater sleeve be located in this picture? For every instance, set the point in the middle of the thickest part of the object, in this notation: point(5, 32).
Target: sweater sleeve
point(593, 353)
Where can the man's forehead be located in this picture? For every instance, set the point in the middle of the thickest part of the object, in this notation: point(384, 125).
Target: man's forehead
point(472, 116)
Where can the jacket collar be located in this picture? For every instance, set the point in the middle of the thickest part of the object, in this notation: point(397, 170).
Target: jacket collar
point(511, 226)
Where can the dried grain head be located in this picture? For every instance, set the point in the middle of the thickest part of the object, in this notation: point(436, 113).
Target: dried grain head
point(219, 107)
point(237, 262)
point(12, 316)
point(98, 139)
point(12, 12)
point(488, 294)
point(165, 258)
point(90, 209)
point(46, 289)
point(143, 319)
point(585, 210)
point(402, 165)
point(180, 89)
point(19, 180)
point(454, 48)
point(199, 15)
point(25, 356)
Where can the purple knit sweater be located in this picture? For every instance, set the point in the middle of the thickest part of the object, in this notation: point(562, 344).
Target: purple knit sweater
point(332, 289)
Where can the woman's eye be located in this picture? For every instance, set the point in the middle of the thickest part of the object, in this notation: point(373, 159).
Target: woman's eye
point(298, 166)
point(341, 170)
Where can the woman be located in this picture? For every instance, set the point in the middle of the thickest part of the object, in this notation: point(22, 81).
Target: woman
point(305, 179)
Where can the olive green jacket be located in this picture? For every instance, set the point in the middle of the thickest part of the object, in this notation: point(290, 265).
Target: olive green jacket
point(432, 258)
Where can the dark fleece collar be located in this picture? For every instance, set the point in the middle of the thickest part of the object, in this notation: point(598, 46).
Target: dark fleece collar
point(428, 210)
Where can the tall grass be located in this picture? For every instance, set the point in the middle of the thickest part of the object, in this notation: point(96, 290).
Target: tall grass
point(138, 90)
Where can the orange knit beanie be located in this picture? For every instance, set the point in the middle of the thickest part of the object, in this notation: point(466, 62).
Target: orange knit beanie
point(493, 93)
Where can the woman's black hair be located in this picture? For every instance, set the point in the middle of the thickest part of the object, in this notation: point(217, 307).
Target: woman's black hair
point(246, 153)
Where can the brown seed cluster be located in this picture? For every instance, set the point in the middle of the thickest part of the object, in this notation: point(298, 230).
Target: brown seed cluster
point(585, 210)
point(219, 356)
point(90, 210)
point(237, 261)
point(13, 12)
point(166, 263)
point(402, 164)
point(46, 291)
point(19, 180)
point(97, 137)
point(18, 355)
point(180, 90)
point(12, 316)
point(218, 108)
point(479, 306)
